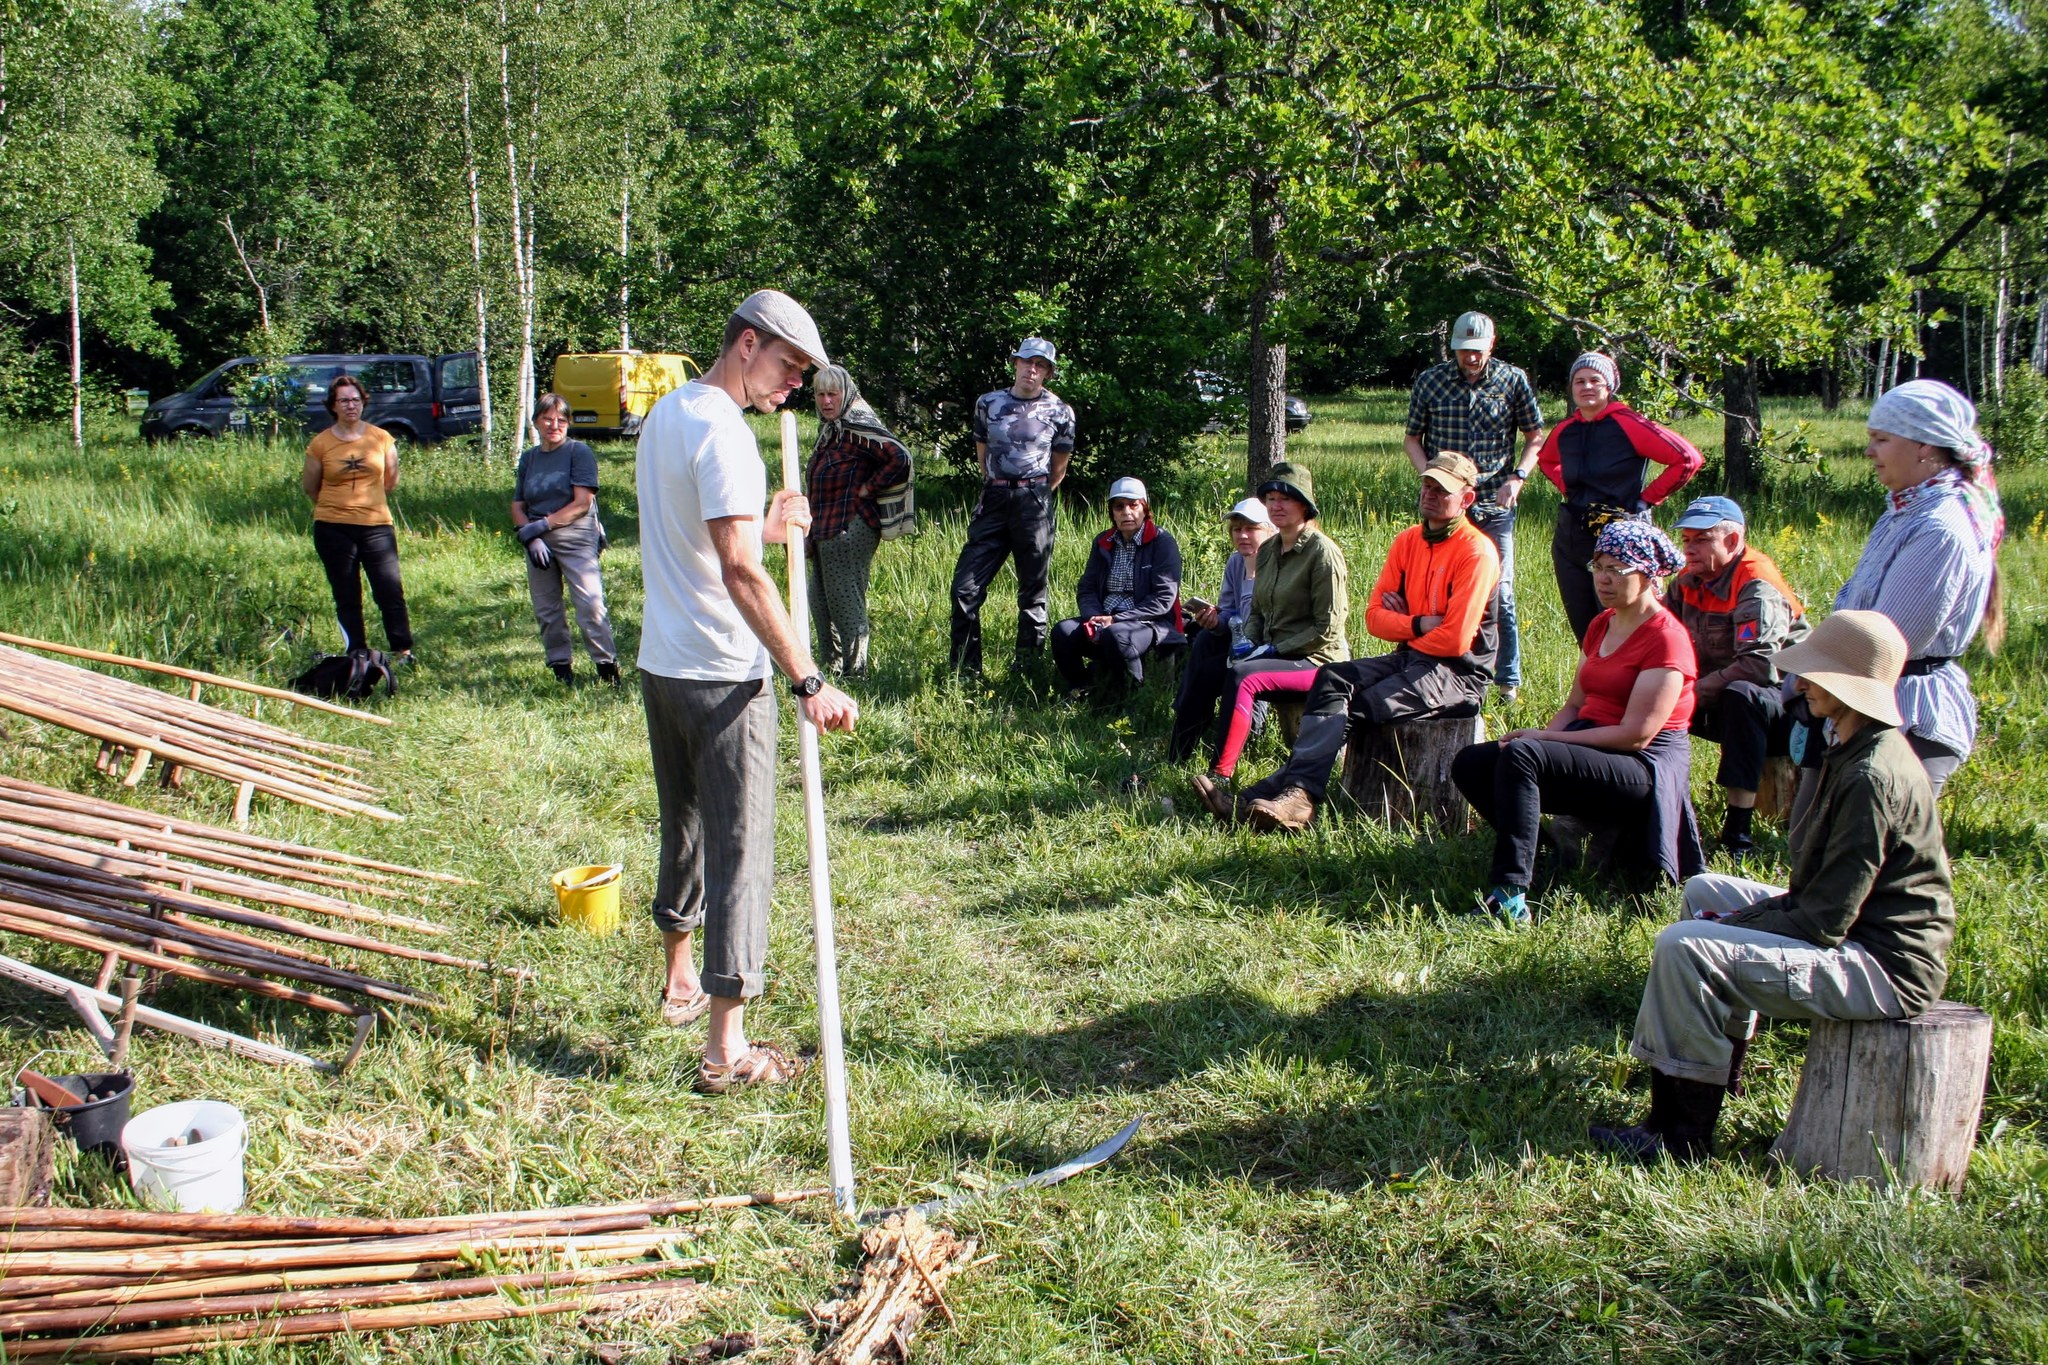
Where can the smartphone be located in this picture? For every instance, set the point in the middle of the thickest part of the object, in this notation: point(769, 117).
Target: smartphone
point(1197, 604)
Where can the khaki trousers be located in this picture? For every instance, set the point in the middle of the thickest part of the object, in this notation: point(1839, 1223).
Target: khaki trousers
point(1709, 981)
point(574, 566)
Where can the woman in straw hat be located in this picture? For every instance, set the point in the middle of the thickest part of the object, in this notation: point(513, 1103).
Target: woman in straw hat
point(1862, 932)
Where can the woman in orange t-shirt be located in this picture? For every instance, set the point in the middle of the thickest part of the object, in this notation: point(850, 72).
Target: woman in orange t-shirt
point(349, 469)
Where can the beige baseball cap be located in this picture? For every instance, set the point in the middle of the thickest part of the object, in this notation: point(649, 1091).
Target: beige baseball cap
point(1451, 470)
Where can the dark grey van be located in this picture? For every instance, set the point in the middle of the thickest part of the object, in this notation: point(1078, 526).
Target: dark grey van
point(405, 396)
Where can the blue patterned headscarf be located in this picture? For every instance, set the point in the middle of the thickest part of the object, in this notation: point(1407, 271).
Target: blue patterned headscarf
point(1639, 548)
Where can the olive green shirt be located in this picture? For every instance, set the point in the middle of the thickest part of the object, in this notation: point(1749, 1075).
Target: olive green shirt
point(1299, 604)
point(1870, 867)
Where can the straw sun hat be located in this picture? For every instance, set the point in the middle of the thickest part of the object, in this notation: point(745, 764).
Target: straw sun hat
point(1857, 656)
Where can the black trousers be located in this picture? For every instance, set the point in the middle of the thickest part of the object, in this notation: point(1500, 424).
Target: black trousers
point(1386, 689)
point(345, 548)
point(1513, 785)
point(1571, 550)
point(1007, 521)
point(1114, 651)
point(1749, 721)
point(1204, 673)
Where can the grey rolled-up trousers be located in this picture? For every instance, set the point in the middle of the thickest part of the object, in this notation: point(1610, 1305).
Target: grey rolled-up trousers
point(713, 745)
point(1709, 981)
point(572, 564)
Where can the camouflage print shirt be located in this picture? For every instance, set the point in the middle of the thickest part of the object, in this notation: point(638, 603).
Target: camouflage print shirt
point(1023, 434)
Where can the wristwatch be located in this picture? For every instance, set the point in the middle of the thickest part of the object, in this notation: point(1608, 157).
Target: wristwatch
point(809, 687)
point(1517, 475)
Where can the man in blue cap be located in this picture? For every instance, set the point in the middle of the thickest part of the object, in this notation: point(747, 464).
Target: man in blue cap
point(1739, 611)
point(1024, 437)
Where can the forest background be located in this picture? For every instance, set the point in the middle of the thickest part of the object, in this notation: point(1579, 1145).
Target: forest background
point(1737, 197)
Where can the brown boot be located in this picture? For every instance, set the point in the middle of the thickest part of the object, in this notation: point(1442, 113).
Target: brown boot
point(1291, 809)
point(1221, 804)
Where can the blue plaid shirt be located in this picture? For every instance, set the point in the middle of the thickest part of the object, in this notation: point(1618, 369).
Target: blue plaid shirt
point(1480, 419)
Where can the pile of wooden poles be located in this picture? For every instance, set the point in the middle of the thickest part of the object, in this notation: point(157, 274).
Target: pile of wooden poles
point(136, 725)
point(203, 903)
point(86, 1284)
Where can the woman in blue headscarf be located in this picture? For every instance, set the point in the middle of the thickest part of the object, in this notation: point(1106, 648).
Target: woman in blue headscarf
point(1931, 561)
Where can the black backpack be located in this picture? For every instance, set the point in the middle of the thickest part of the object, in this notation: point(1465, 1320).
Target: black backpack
point(353, 676)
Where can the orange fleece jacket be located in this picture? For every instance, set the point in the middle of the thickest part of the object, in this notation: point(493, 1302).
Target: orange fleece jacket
point(1454, 579)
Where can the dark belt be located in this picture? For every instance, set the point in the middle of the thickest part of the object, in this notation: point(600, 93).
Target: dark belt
point(1038, 482)
point(1917, 668)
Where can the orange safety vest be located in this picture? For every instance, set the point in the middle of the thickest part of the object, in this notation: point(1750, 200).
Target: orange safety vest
point(1754, 564)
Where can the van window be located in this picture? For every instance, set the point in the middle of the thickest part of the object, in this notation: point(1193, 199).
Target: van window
point(458, 372)
point(388, 376)
point(311, 381)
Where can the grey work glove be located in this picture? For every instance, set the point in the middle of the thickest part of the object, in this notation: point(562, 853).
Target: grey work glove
point(538, 554)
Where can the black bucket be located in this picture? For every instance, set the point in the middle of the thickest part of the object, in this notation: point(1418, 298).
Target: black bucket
point(95, 1125)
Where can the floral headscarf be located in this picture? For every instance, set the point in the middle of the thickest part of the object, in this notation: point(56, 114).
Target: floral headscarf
point(1639, 548)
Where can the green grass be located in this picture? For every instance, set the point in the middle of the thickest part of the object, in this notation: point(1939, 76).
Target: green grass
point(1366, 1123)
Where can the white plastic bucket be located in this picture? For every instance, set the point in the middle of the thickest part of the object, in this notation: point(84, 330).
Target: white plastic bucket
point(201, 1175)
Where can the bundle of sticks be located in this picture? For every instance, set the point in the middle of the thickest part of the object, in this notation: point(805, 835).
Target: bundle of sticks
point(89, 1284)
point(137, 724)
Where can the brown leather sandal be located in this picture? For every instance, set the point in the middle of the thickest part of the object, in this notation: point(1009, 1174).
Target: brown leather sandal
point(762, 1064)
point(678, 1013)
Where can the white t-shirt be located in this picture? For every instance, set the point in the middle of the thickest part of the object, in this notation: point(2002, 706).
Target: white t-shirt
point(697, 461)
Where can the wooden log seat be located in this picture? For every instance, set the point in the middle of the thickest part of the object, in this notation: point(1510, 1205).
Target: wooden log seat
point(1891, 1101)
point(1401, 774)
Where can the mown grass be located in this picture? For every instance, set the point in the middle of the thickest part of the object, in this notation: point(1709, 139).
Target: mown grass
point(1366, 1122)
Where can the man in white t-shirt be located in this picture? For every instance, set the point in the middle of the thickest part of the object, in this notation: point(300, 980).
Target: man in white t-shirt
point(713, 623)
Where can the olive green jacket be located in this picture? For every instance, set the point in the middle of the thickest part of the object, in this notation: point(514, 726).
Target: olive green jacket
point(1870, 867)
point(1299, 605)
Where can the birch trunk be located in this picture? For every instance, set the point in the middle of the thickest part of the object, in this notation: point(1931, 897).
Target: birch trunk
point(1884, 355)
point(2002, 319)
point(1969, 389)
point(77, 369)
point(2041, 326)
point(523, 397)
point(626, 245)
point(476, 262)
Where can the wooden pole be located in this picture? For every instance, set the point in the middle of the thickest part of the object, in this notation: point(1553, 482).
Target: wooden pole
point(838, 1138)
point(194, 675)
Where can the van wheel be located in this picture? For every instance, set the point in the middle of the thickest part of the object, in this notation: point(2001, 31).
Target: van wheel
point(402, 434)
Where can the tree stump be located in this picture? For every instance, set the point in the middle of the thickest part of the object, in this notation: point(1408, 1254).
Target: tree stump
point(26, 1151)
point(1891, 1100)
point(1402, 773)
point(1774, 796)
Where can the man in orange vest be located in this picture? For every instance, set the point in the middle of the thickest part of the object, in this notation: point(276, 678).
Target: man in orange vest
point(1437, 603)
point(1739, 611)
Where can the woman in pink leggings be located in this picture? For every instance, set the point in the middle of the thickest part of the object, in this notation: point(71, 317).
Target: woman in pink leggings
point(1298, 612)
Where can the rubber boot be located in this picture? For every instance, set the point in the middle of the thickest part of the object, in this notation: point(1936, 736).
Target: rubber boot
point(1696, 1106)
point(1642, 1141)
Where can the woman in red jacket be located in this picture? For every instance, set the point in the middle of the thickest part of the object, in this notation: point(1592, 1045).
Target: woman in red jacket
point(1598, 457)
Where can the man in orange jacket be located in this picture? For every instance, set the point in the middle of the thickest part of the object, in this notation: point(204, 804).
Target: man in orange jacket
point(1436, 603)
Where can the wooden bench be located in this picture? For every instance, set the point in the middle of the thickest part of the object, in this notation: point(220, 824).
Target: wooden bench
point(1401, 774)
point(1891, 1101)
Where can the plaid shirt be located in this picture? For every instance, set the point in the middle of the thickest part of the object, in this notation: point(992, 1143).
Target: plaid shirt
point(1123, 560)
point(1479, 419)
point(838, 469)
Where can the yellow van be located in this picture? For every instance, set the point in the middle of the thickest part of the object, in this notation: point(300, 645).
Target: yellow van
point(610, 391)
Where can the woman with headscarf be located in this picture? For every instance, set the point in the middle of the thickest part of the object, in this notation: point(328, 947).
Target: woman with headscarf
point(1931, 561)
point(1598, 457)
point(1621, 741)
point(856, 457)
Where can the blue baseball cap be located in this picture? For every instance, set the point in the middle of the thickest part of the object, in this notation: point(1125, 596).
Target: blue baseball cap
point(1705, 513)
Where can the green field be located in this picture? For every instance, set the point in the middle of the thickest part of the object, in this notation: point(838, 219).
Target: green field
point(1366, 1121)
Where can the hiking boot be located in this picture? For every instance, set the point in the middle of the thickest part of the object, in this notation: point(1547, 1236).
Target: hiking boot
point(608, 674)
point(564, 674)
point(1221, 803)
point(1291, 809)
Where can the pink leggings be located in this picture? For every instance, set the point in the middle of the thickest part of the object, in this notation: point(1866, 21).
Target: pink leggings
point(1250, 692)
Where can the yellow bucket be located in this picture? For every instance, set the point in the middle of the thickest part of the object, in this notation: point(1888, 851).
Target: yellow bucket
point(589, 896)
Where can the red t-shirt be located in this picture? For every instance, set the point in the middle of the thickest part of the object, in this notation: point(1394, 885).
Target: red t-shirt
point(1660, 642)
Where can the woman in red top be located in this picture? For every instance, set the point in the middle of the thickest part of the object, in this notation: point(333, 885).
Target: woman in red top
point(1620, 744)
point(1598, 458)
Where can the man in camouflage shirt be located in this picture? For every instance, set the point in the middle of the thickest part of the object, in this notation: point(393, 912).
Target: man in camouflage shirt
point(1474, 404)
point(1024, 436)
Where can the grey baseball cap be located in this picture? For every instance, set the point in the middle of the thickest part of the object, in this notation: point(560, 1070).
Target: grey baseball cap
point(1128, 489)
point(779, 315)
point(1471, 331)
point(1036, 348)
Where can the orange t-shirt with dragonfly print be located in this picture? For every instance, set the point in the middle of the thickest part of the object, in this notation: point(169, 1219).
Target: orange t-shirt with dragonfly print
point(352, 476)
